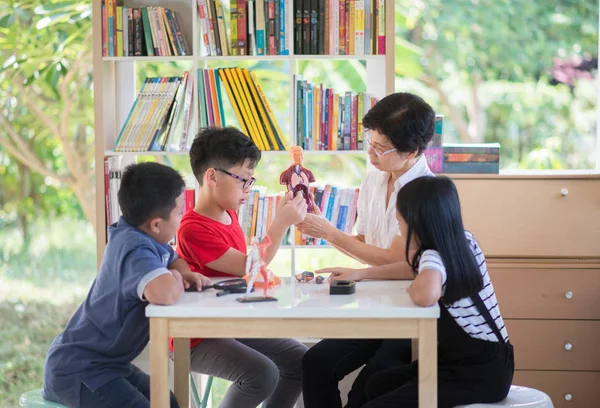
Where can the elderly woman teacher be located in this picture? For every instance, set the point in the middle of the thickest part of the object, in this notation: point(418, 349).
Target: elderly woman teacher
point(399, 128)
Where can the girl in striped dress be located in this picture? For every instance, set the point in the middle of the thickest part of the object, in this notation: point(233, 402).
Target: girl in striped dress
point(475, 357)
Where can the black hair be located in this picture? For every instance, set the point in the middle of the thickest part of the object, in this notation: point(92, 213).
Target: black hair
point(431, 210)
point(149, 190)
point(221, 148)
point(405, 119)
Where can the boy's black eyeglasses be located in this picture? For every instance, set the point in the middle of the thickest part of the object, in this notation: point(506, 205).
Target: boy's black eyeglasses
point(248, 183)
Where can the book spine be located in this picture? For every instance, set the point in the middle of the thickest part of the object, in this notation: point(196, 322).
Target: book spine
point(351, 13)
point(260, 27)
point(251, 29)
point(306, 27)
point(325, 34)
point(472, 168)
point(471, 149)
point(176, 43)
point(272, 32)
point(138, 34)
point(204, 27)
point(110, 13)
point(359, 119)
point(285, 31)
point(241, 28)
point(119, 39)
point(321, 36)
point(125, 32)
point(342, 28)
point(354, 123)
point(234, 27)
point(147, 33)
point(314, 19)
point(277, 26)
point(213, 39)
point(130, 33)
point(368, 26)
point(222, 29)
point(471, 157)
point(359, 33)
point(381, 28)
point(104, 32)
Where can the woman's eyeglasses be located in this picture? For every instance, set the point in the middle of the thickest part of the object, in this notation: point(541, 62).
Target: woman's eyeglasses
point(376, 150)
point(248, 183)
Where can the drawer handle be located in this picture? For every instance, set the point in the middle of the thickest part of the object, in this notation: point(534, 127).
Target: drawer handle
point(568, 346)
point(568, 397)
point(564, 192)
point(568, 294)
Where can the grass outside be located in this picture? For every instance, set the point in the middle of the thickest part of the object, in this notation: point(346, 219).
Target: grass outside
point(40, 290)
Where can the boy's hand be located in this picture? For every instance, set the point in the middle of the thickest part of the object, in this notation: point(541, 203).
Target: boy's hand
point(195, 279)
point(291, 211)
point(177, 275)
point(349, 274)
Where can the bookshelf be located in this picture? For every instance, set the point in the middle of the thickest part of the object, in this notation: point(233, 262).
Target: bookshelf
point(115, 89)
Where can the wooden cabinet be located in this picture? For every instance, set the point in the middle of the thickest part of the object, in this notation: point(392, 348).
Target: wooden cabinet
point(533, 217)
point(567, 389)
point(547, 292)
point(541, 238)
point(555, 344)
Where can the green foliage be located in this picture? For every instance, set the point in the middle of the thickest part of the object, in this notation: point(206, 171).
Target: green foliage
point(487, 66)
point(28, 328)
point(46, 111)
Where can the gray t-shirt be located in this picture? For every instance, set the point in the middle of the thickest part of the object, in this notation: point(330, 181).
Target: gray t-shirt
point(110, 329)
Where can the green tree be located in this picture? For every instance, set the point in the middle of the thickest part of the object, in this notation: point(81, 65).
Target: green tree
point(461, 50)
point(46, 115)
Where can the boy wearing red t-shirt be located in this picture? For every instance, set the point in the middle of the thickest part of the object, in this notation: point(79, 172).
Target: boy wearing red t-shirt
point(211, 240)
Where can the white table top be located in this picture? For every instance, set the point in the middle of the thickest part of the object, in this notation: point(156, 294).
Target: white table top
point(373, 299)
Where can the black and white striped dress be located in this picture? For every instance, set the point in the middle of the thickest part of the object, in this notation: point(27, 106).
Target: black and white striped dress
point(463, 311)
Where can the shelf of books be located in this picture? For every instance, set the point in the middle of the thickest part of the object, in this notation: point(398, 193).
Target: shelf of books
point(208, 46)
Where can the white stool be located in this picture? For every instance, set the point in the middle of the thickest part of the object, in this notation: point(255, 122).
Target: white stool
point(519, 397)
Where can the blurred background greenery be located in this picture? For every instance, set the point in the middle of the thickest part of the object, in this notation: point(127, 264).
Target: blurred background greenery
point(517, 72)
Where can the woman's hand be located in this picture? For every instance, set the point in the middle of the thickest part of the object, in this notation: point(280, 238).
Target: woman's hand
point(338, 274)
point(315, 225)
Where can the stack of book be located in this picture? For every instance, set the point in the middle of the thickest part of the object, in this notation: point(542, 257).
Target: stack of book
point(338, 205)
point(483, 158)
point(326, 120)
point(141, 31)
point(339, 27)
point(258, 212)
point(434, 152)
point(256, 27)
point(160, 116)
point(254, 114)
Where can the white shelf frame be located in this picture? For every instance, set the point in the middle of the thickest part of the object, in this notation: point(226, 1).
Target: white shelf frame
point(115, 91)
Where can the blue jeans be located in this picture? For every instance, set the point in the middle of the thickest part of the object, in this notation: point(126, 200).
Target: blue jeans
point(126, 392)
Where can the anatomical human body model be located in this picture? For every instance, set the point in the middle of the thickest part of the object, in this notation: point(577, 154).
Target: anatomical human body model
point(255, 265)
point(297, 178)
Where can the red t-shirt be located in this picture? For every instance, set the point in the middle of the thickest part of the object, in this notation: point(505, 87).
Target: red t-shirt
point(202, 240)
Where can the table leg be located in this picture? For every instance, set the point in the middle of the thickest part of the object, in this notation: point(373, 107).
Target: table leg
point(414, 346)
point(181, 357)
point(159, 362)
point(428, 363)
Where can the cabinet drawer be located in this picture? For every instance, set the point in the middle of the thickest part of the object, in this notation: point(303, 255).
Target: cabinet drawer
point(566, 389)
point(537, 293)
point(555, 344)
point(531, 217)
